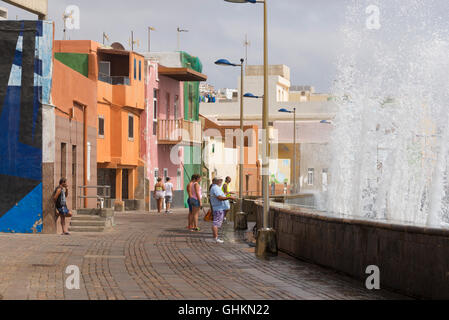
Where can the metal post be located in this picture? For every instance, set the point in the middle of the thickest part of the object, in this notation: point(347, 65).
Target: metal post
point(179, 41)
point(265, 115)
point(132, 41)
point(266, 241)
point(149, 38)
point(241, 222)
point(295, 180)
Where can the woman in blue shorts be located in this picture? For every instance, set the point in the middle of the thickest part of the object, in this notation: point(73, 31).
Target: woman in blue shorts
point(60, 197)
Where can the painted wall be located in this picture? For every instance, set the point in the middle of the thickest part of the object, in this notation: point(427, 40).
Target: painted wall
point(70, 93)
point(25, 83)
point(158, 156)
point(116, 103)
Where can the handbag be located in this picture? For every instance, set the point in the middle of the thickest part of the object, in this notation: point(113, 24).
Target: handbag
point(209, 217)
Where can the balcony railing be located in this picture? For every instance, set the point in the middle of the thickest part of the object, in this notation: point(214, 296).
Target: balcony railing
point(179, 131)
point(114, 80)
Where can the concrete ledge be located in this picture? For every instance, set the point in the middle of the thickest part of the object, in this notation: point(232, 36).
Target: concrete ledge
point(119, 206)
point(134, 205)
point(413, 260)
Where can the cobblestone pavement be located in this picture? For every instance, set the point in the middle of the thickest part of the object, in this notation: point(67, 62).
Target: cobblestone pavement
point(150, 256)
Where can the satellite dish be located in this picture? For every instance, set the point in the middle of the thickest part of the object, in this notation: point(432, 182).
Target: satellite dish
point(117, 46)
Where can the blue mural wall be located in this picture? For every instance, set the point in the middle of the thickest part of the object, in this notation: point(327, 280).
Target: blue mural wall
point(25, 84)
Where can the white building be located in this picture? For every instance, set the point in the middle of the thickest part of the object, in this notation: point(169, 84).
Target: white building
point(310, 129)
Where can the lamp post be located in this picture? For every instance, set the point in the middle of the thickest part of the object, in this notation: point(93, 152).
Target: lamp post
point(241, 221)
point(149, 37)
point(295, 179)
point(266, 244)
point(179, 30)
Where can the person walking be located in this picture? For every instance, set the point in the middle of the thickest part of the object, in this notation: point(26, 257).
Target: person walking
point(60, 197)
point(219, 203)
point(159, 194)
point(168, 195)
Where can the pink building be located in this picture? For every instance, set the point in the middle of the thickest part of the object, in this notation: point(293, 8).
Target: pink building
point(165, 131)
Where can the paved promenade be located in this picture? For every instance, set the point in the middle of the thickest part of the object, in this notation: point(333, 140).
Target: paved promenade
point(149, 256)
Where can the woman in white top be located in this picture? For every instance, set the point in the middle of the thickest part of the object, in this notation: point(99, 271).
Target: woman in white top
point(168, 194)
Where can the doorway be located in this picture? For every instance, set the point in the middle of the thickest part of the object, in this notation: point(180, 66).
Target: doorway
point(74, 175)
point(125, 184)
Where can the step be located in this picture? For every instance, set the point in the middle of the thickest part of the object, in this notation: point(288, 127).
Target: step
point(83, 217)
point(86, 229)
point(87, 223)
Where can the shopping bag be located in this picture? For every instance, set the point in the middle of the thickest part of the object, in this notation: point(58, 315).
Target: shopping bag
point(209, 217)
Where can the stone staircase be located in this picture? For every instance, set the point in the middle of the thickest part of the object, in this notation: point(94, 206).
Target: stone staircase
point(92, 220)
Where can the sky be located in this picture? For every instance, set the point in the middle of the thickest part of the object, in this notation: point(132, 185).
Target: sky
point(303, 34)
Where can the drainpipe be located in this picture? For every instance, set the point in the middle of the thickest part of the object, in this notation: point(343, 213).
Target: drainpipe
point(85, 153)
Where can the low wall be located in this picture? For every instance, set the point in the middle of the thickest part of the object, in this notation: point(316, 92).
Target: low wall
point(412, 260)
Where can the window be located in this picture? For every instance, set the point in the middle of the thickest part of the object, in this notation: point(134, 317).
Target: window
point(131, 127)
point(325, 178)
point(178, 179)
point(156, 175)
point(101, 127)
point(176, 106)
point(105, 68)
point(140, 70)
point(213, 148)
point(168, 107)
point(63, 160)
point(89, 153)
point(310, 177)
point(155, 92)
point(135, 69)
point(165, 173)
point(190, 101)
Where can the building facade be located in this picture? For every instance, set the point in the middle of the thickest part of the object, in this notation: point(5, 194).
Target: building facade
point(221, 155)
point(119, 77)
point(74, 98)
point(172, 127)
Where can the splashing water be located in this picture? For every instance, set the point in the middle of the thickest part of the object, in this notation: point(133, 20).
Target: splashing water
point(390, 153)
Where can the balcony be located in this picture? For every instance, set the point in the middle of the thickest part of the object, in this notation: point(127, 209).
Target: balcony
point(114, 80)
point(179, 132)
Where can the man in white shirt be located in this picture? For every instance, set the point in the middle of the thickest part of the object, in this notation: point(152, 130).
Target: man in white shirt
point(168, 194)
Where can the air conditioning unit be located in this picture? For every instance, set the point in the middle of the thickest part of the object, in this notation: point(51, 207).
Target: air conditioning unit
point(3, 13)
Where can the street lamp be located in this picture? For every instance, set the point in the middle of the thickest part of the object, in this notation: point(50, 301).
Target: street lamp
point(266, 241)
point(294, 144)
point(250, 95)
point(241, 221)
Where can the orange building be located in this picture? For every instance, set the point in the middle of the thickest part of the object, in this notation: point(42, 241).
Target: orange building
point(119, 75)
point(74, 98)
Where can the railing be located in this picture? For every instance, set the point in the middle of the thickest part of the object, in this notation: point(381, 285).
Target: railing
point(252, 194)
point(179, 131)
point(103, 193)
point(114, 80)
